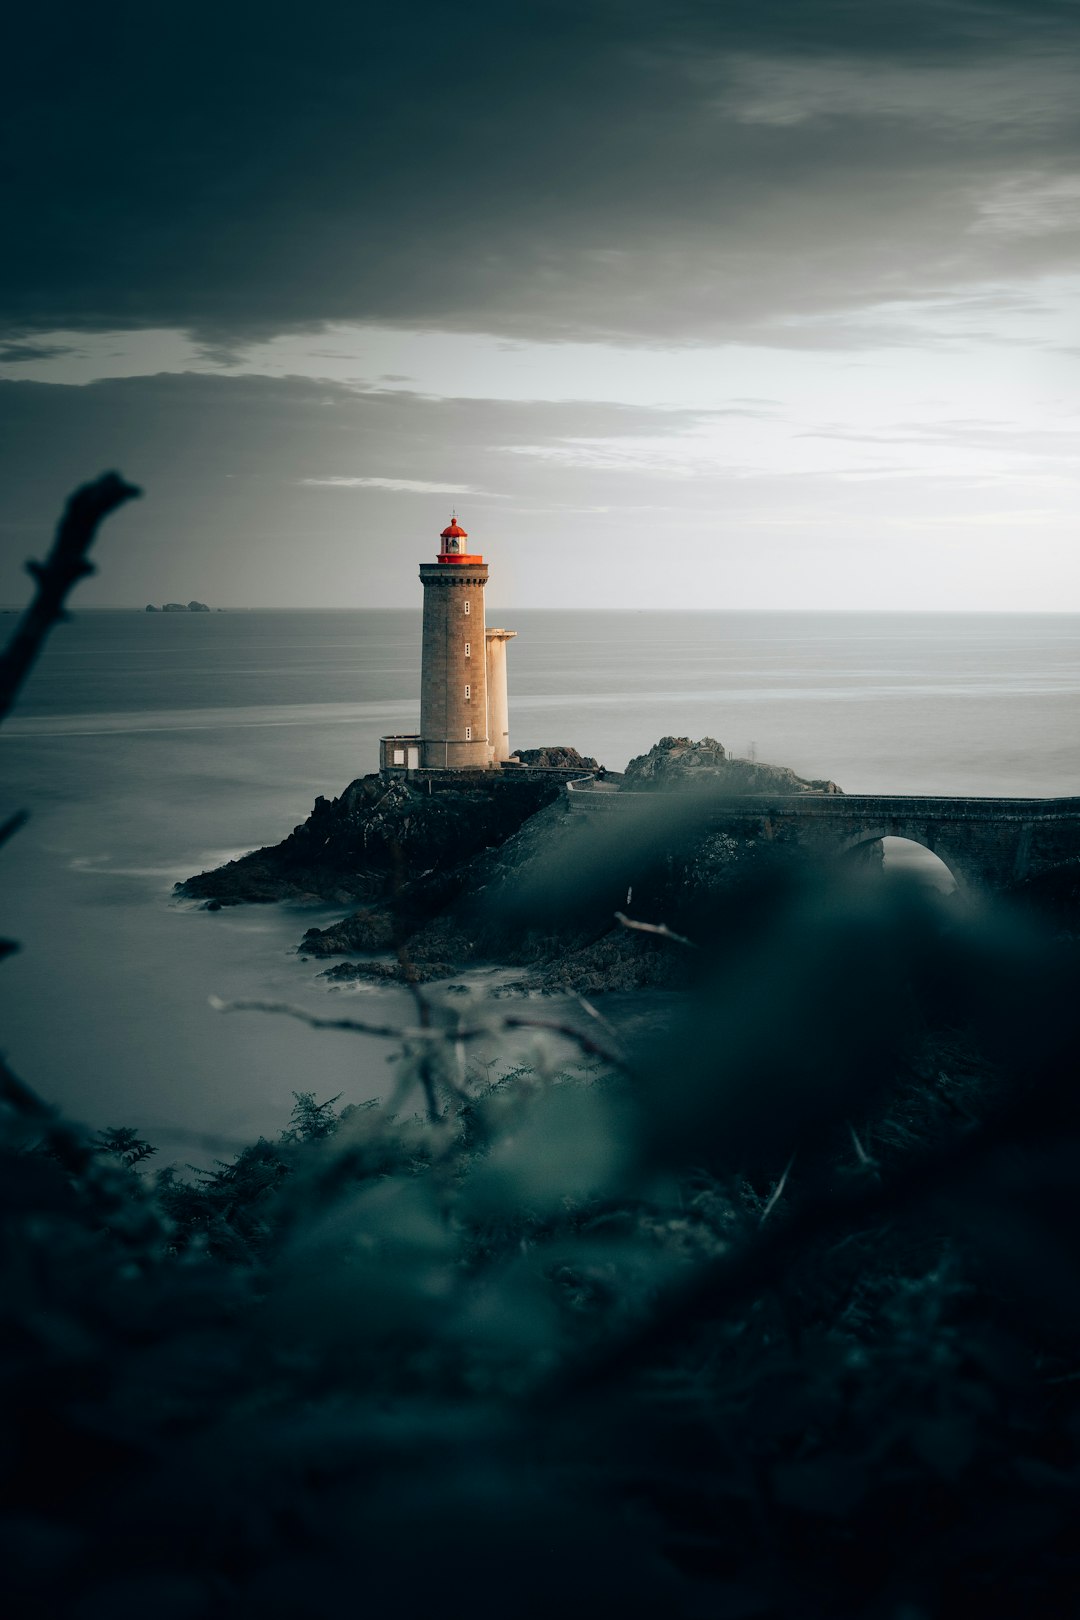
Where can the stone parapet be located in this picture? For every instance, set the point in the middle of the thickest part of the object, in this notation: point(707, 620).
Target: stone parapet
point(986, 843)
point(497, 779)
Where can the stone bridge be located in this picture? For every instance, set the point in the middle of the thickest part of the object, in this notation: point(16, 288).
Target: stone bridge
point(989, 844)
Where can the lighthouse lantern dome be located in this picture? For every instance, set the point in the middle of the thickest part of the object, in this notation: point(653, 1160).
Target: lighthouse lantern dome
point(452, 543)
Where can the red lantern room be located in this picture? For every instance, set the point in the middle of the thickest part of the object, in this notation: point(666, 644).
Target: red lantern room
point(452, 544)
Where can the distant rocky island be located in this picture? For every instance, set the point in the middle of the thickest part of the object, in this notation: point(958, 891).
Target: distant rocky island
point(179, 607)
point(447, 871)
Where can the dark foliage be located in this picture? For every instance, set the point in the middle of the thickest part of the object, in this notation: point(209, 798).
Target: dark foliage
point(784, 1321)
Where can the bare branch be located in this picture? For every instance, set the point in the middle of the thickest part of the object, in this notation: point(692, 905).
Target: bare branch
point(423, 1010)
point(12, 824)
point(8, 830)
point(568, 1032)
point(19, 1096)
point(660, 929)
point(864, 1158)
point(594, 1012)
point(57, 576)
point(777, 1192)
point(356, 1026)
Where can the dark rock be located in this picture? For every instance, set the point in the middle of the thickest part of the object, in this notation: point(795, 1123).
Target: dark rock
point(396, 850)
point(198, 607)
point(622, 960)
point(175, 607)
point(555, 759)
point(150, 608)
point(388, 972)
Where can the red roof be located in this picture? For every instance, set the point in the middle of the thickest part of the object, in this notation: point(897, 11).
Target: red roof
point(453, 531)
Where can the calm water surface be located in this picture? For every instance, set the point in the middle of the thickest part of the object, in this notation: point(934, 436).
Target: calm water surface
point(150, 746)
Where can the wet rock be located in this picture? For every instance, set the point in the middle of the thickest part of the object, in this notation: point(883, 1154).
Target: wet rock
point(555, 759)
point(394, 849)
point(388, 972)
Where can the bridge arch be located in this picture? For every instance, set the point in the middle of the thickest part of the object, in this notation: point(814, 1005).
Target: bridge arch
point(903, 849)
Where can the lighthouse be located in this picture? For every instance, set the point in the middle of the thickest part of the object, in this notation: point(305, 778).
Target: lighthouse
point(464, 721)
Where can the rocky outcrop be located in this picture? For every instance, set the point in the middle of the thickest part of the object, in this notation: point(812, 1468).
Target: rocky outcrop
point(678, 762)
point(555, 759)
point(451, 874)
point(407, 972)
point(175, 607)
point(198, 607)
point(150, 608)
point(394, 847)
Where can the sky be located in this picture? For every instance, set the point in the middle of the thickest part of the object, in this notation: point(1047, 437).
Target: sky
point(680, 303)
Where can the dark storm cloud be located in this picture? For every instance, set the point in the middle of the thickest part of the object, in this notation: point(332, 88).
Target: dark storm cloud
point(562, 169)
point(19, 353)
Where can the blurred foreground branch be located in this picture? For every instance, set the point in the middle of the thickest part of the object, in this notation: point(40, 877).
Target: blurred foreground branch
point(56, 577)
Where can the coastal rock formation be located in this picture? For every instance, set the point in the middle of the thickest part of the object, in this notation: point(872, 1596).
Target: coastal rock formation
point(561, 759)
point(150, 608)
point(451, 872)
point(388, 972)
point(395, 846)
point(174, 607)
point(678, 762)
point(198, 607)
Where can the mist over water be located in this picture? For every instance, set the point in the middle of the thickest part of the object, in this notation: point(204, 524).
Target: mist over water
point(150, 746)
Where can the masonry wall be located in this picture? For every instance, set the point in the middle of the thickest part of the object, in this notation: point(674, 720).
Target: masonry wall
point(453, 674)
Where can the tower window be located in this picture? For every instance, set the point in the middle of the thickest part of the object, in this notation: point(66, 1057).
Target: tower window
point(468, 649)
point(468, 733)
point(468, 691)
point(466, 607)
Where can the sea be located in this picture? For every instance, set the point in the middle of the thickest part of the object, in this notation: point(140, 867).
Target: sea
point(146, 747)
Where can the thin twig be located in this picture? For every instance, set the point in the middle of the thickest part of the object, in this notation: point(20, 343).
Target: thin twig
point(861, 1154)
point(660, 929)
point(355, 1026)
point(423, 1009)
point(57, 576)
point(777, 1192)
point(590, 1047)
point(594, 1012)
